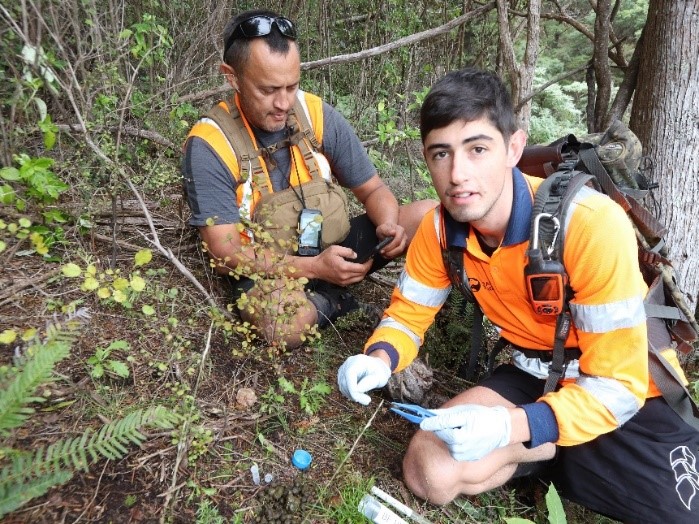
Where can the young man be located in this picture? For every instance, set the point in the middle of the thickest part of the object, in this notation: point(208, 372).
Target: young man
point(261, 62)
point(605, 436)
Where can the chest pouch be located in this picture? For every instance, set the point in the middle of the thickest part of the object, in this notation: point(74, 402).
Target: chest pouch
point(279, 212)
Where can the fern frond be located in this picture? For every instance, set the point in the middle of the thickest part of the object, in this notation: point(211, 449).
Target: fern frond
point(111, 442)
point(15, 495)
point(31, 474)
point(35, 371)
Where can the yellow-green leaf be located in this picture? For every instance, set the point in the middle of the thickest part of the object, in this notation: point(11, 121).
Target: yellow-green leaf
point(8, 336)
point(24, 222)
point(29, 334)
point(137, 283)
point(71, 270)
point(148, 310)
point(119, 296)
point(90, 284)
point(3, 246)
point(143, 257)
point(104, 292)
point(120, 283)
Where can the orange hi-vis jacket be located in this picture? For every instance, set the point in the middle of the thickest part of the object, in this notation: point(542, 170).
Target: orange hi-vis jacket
point(248, 196)
point(611, 381)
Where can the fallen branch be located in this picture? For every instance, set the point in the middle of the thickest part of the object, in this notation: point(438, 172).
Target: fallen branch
point(153, 136)
point(10, 293)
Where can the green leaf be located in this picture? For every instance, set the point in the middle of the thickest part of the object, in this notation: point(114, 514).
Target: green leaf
point(148, 310)
point(71, 270)
point(518, 520)
point(10, 173)
point(119, 368)
point(97, 371)
point(286, 385)
point(7, 194)
point(49, 139)
point(555, 506)
point(143, 257)
point(119, 344)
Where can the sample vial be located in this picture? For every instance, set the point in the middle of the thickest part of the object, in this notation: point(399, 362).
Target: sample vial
point(371, 508)
point(255, 474)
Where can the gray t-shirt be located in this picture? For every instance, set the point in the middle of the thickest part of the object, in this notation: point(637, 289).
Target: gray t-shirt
point(211, 188)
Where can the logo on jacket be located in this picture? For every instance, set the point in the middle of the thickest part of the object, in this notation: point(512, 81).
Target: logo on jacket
point(684, 464)
point(475, 284)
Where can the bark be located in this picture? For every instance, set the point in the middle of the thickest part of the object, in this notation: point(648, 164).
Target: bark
point(521, 75)
point(665, 116)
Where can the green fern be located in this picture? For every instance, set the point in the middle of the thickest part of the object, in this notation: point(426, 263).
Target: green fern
point(15, 495)
point(37, 370)
point(26, 475)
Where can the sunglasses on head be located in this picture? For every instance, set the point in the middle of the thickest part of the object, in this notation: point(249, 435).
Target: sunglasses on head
point(261, 25)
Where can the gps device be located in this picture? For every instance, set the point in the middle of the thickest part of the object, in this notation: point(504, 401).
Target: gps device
point(546, 278)
point(310, 228)
point(375, 251)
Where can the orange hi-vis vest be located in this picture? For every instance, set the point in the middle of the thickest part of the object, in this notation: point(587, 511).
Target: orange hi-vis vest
point(253, 179)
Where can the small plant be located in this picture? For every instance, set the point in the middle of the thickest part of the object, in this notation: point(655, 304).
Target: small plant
point(110, 286)
point(310, 398)
point(556, 513)
point(101, 362)
point(271, 300)
point(34, 173)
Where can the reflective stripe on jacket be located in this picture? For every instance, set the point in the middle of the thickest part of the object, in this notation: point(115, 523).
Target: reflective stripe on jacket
point(600, 256)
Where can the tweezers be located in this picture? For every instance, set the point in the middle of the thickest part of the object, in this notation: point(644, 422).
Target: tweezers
point(412, 412)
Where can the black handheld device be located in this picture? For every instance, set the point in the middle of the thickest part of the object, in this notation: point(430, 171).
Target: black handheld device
point(375, 251)
point(310, 229)
point(546, 278)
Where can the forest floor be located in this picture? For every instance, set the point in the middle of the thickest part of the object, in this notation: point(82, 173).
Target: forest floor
point(239, 407)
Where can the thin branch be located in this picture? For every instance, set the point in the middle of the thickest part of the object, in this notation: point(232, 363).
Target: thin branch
point(412, 39)
point(153, 136)
point(554, 80)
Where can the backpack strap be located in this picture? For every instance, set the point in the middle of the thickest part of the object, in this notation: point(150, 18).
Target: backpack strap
point(231, 124)
point(303, 136)
point(453, 259)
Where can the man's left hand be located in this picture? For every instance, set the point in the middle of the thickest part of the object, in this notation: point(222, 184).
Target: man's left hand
point(470, 431)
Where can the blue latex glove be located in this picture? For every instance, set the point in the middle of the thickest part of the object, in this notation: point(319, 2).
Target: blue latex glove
point(471, 431)
point(362, 373)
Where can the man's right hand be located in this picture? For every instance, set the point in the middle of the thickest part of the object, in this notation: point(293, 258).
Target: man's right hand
point(335, 265)
point(362, 373)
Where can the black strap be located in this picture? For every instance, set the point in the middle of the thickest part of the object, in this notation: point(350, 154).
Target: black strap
point(469, 373)
point(558, 361)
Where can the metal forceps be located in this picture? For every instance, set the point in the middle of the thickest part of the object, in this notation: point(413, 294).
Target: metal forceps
point(411, 412)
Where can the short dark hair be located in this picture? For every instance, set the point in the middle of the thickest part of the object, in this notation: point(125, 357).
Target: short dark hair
point(238, 51)
point(467, 95)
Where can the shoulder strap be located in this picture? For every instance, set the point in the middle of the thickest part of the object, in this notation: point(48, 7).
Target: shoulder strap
point(302, 136)
point(233, 128)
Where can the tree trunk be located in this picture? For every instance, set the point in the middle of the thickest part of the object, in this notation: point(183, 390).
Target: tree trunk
point(665, 116)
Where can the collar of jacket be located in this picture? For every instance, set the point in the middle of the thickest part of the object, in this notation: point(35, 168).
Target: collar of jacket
point(517, 228)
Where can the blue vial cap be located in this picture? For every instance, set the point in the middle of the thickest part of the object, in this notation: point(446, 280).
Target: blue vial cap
point(301, 459)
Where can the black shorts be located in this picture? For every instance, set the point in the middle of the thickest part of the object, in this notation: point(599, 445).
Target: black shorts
point(643, 472)
point(361, 238)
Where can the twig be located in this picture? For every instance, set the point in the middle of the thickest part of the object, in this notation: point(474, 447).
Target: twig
point(92, 500)
point(354, 445)
point(10, 293)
